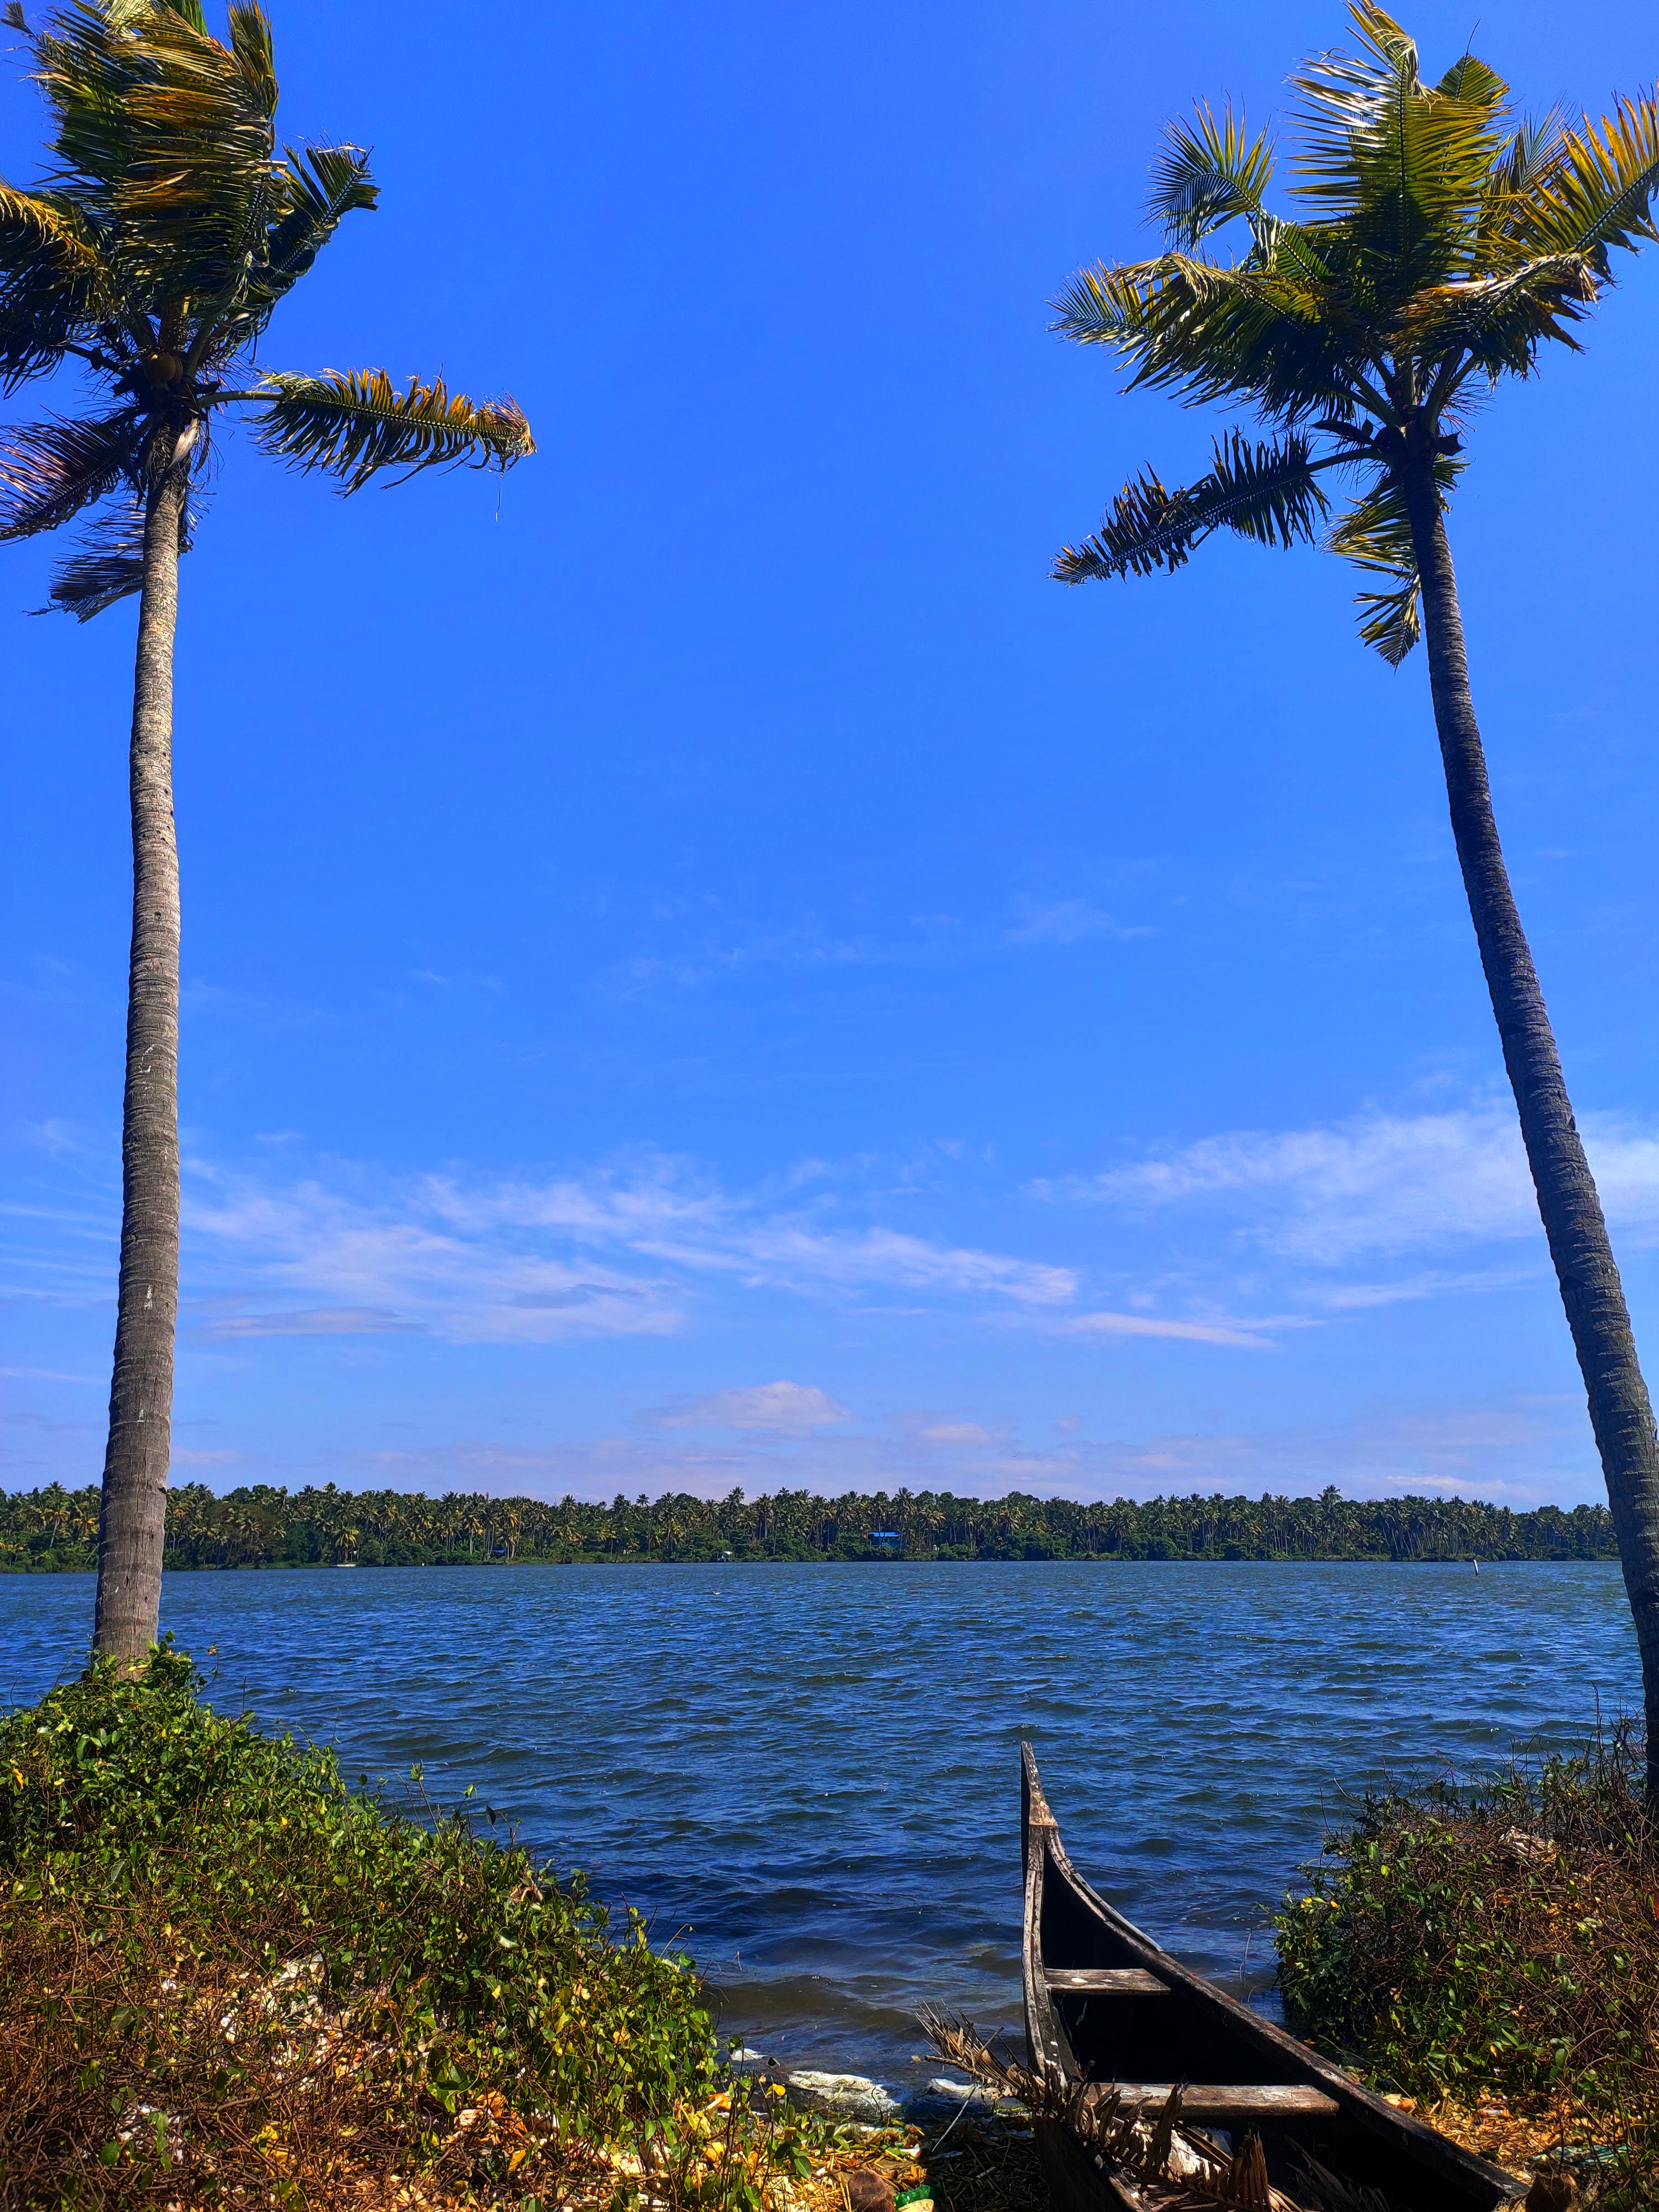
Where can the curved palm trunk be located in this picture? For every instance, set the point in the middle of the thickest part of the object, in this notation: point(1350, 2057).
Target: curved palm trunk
point(132, 1521)
point(1621, 1412)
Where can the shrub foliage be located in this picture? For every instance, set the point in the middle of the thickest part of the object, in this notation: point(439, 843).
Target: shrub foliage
point(224, 1972)
point(1498, 1942)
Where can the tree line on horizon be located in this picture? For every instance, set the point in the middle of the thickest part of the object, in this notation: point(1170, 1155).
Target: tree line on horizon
point(56, 1529)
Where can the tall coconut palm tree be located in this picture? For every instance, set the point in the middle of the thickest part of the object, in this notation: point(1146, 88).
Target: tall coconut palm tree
point(166, 231)
point(1436, 245)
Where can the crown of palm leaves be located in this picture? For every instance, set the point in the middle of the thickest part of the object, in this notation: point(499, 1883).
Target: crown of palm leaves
point(166, 231)
point(1440, 243)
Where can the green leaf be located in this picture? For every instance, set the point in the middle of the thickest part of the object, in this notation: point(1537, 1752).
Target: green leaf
point(1402, 165)
point(319, 184)
point(53, 286)
point(1275, 333)
point(1268, 493)
point(1376, 534)
point(165, 136)
point(1500, 322)
point(50, 471)
point(353, 424)
point(1598, 191)
point(1207, 174)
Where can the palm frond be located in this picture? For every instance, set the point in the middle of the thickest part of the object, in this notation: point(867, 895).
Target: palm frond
point(1279, 334)
point(1470, 81)
point(317, 186)
point(355, 422)
point(1500, 322)
point(167, 134)
point(1268, 493)
point(1208, 173)
point(50, 471)
point(110, 565)
point(1376, 535)
point(53, 282)
point(1533, 151)
point(1403, 164)
point(1391, 622)
point(1104, 306)
point(199, 183)
point(1598, 191)
point(87, 67)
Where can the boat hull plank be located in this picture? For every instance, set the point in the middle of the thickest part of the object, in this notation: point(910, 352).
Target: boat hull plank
point(1107, 1981)
point(1227, 2101)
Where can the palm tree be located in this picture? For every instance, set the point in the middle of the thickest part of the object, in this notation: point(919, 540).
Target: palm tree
point(1439, 245)
point(166, 232)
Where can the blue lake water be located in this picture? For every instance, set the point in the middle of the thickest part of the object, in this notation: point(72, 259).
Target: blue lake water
point(811, 1772)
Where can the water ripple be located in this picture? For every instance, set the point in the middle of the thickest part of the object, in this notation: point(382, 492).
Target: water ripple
point(810, 1772)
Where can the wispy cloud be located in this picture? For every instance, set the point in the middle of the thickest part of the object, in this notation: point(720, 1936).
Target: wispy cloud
point(624, 1251)
point(1191, 1332)
point(1384, 1185)
point(1066, 921)
point(709, 947)
point(351, 1263)
point(1517, 1450)
point(785, 1409)
point(315, 1320)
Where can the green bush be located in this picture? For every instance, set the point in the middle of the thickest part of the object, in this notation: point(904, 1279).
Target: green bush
point(204, 1922)
point(1500, 1941)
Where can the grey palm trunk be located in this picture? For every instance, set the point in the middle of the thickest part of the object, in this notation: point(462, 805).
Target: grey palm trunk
point(133, 1519)
point(1621, 1412)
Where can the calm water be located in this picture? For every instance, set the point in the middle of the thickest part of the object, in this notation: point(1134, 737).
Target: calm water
point(812, 1771)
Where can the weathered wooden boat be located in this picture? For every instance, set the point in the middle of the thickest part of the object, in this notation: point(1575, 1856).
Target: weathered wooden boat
point(1105, 2004)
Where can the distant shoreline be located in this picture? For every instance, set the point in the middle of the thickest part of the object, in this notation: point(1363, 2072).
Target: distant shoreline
point(259, 1526)
point(1191, 1560)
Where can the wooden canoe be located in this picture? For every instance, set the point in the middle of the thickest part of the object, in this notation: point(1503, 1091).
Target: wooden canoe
point(1105, 2004)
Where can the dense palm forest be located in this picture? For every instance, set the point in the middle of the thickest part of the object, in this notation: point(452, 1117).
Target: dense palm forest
point(261, 1527)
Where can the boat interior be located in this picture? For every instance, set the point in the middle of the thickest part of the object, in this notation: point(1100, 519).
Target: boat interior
point(1105, 2004)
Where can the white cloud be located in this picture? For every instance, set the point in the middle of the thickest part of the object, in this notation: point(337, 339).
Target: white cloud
point(789, 1409)
point(392, 1261)
point(1066, 921)
point(885, 1255)
point(619, 1252)
point(962, 1433)
point(316, 1321)
point(1192, 1332)
point(1385, 1183)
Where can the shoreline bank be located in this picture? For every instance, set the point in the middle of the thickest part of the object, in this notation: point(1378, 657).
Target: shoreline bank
point(260, 1526)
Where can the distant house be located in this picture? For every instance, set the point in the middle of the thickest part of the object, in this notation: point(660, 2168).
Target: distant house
point(886, 1536)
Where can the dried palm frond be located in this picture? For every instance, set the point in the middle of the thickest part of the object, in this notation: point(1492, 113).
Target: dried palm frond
point(50, 471)
point(354, 422)
point(109, 565)
point(1175, 2167)
point(1325, 2191)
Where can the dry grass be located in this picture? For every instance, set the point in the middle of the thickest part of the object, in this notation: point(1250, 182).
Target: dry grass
point(137, 2070)
point(986, 2166)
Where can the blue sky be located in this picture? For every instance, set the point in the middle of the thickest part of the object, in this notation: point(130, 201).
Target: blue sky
point(703, 966)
